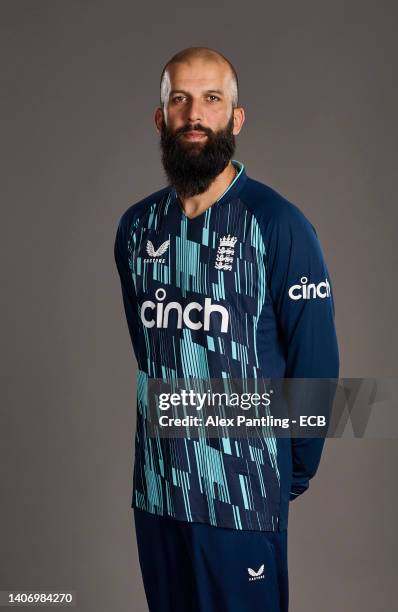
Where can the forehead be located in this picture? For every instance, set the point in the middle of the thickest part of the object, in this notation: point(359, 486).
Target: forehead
point(197, 74)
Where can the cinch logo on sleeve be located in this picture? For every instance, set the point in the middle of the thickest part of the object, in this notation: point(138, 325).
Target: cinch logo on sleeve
point(157, 314)
point(308, 291)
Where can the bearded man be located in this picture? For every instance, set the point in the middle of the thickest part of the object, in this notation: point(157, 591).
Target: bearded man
point(207, 266)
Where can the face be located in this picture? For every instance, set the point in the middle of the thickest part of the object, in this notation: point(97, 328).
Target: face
point(197, 124)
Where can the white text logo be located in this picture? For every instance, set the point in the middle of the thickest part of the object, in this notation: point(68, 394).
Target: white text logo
point(307, 291)
point(154, 255)
point(258, 575)
point(162, 312)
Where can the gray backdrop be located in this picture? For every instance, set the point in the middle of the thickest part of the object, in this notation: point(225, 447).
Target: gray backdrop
point(79, 88)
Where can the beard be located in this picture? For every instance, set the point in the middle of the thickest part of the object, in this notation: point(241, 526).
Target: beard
point(191, 166)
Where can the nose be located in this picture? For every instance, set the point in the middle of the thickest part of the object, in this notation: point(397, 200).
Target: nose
point(194, 111)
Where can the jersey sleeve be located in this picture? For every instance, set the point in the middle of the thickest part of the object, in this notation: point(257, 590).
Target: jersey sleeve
point(301, 292)
point(126, 281)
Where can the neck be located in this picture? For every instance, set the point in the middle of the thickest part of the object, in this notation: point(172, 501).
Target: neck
point(197, 204)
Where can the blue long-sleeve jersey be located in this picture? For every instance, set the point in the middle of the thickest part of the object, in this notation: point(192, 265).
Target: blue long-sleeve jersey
point(240, 291)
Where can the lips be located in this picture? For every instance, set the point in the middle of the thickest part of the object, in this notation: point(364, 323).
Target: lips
point(195, 135)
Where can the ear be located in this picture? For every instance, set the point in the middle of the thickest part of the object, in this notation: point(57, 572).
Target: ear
point(158, 118)
point(239, 119)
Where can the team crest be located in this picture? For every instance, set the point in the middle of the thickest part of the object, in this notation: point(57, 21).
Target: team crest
point(225, 253)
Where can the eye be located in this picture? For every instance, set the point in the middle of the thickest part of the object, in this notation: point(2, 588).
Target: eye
point(178, 98)
point(214, 96)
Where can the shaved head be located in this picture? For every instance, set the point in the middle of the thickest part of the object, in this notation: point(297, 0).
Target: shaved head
point(204, 54)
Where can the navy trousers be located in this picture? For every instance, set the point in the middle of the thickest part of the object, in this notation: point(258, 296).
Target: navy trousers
point(195, 567)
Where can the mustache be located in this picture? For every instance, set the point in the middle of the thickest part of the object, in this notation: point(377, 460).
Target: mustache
point(196, 128)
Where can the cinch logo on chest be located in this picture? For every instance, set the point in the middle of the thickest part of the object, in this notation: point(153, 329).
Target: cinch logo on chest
point(156, 314)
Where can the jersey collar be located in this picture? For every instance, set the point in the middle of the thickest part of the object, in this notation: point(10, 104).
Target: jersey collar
point(233, 189)
point(236, 185)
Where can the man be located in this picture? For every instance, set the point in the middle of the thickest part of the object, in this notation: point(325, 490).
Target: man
point(214, 271)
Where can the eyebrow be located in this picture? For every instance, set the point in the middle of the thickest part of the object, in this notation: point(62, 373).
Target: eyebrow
point(208, 91)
